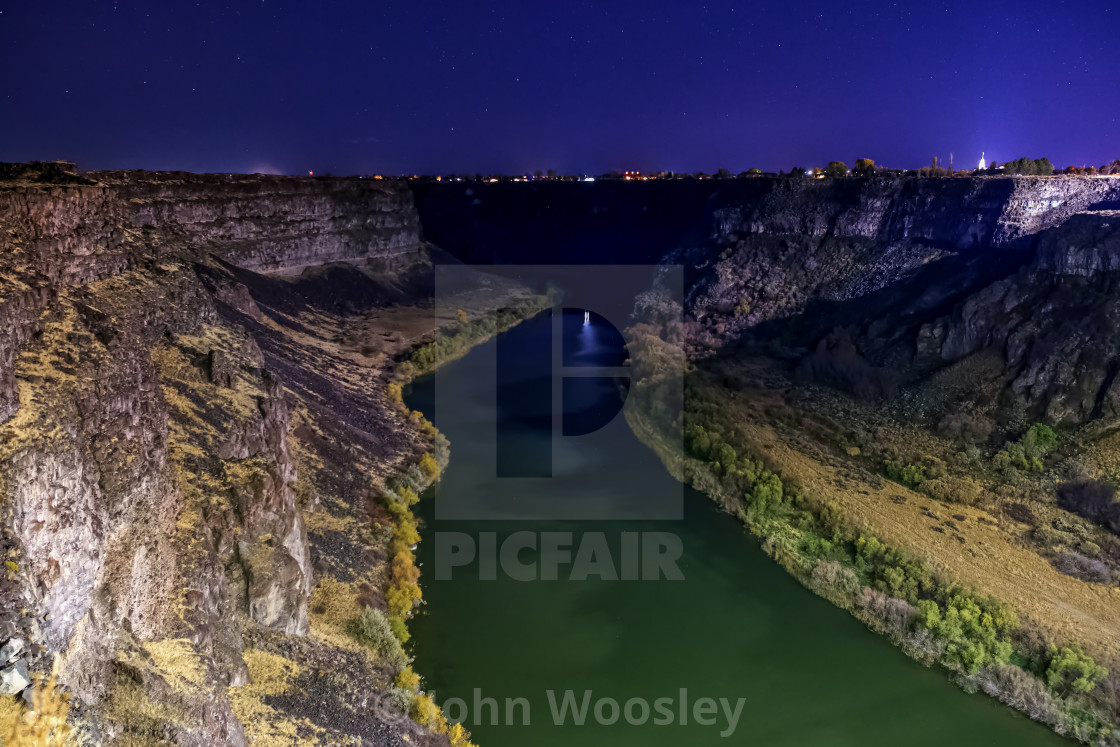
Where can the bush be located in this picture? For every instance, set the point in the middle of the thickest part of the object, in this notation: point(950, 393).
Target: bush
point(402, 599)
point(1072, 670)
point(1026, 454)
point(910, 475)
point(1087, 569)
point(429, 467)
point(400, 630)
point(399, 699)
point(372, 630)
point(975, 630)
point(893, 572)
point(894, 615)
point(833, 581)
point(1020, 690)
point(837, 362)
point(966, 427)
point(424, 710)
point(407, 679)
point(953, 490)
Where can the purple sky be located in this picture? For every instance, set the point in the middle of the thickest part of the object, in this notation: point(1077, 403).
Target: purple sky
point(427, 86)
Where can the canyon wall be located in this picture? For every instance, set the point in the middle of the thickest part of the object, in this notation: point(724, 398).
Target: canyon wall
point(150, 375)
point(272, 224)
point(641, 222)
point(151, 504)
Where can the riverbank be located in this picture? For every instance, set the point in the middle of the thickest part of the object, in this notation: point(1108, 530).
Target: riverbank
point(730, 454)
point(446, 344)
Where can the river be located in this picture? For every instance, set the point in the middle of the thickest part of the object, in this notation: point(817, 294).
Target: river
point(780, 665)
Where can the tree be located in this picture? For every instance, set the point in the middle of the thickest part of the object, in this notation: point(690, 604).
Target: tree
point(836, 169)
point(864, 167)
point(1072, 670)
point(1030, 167)
point(723, 174)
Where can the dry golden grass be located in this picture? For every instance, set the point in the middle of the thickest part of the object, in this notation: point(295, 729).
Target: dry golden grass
point(178, 662)
point(333, 606)
point(271, 675)
point(44, 725)
point(986, 556)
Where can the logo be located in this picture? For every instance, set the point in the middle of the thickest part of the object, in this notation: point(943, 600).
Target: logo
point(543, 413)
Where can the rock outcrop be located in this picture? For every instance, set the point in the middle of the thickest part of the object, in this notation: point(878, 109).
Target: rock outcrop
point(1055, 323)
point(272, 224)
point(959, 213)
point(153, 511)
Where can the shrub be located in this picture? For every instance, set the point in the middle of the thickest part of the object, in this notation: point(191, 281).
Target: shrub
point(891, 571)
point(401, 599)
point(966, 427)
point(1020, 690)
point(424, 710)
point(1072, 670)
point(399, 699)
point(894, 615)
point(1026, 454)
point(975, 630)
point(47, 727)
point(911, 475)
point(1087, 569)
point(407, 679)
point(400, 630)
point(837, 362)
point(833, 581)
point(372, 630)
point(953, 490)
point(429, 467)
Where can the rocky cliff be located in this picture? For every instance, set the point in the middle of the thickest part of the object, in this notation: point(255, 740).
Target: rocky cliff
point(169, 448)
point(192, 451)
point(273, 224)
point(1054, 323)
point(776, 248)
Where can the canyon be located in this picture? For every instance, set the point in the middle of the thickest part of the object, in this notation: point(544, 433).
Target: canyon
point(197, 418)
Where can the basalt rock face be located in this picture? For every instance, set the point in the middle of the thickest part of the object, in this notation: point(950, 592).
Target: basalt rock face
point(756, 249)
point(274, 224)
point(949, 213)
point(151, 510)
point(776, 249)
point(1055, 323)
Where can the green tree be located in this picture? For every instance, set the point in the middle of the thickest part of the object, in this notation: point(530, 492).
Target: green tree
point(976, 631)
point(1072, 670)
point(836, 169)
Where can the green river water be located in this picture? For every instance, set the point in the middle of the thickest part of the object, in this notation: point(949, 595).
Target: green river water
point(736, 627)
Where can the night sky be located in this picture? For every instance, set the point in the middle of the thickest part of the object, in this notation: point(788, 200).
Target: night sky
point(426, 86)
